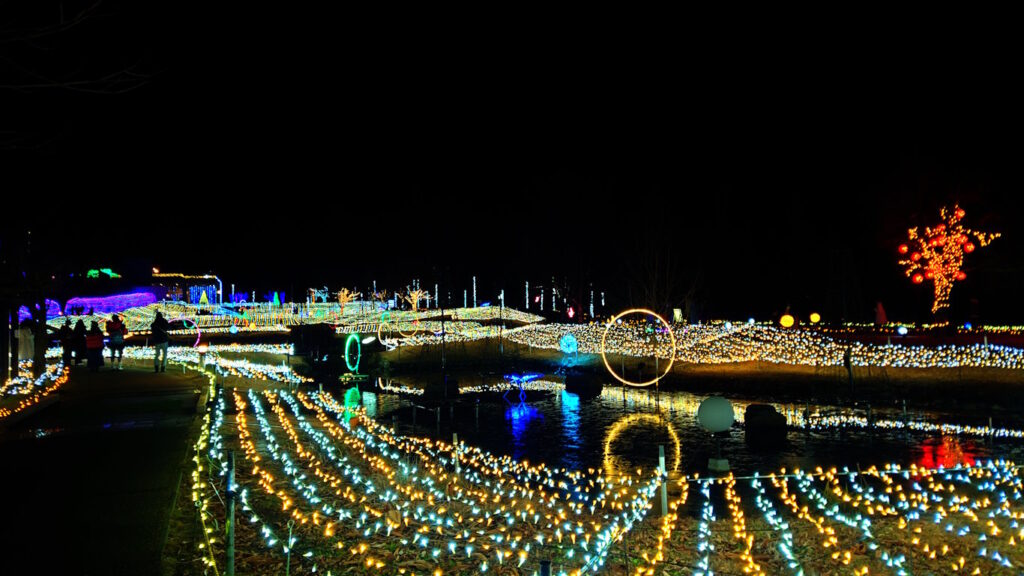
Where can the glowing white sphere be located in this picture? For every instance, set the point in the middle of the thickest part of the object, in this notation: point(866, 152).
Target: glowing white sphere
point(715, 414)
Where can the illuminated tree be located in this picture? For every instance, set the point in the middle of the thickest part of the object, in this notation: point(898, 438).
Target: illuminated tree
point(414, 297)
point(937, 253)
point(345, 296)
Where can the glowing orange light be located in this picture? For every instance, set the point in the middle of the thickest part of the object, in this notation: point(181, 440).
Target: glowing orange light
point(815, 317)
point(787, 321)
point(904, 248)
point(939, 254)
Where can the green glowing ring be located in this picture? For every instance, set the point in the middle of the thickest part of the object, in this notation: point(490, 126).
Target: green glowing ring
point(359, 351)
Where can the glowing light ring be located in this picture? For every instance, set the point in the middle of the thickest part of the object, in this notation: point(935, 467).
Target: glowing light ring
point(624, 423)
point(199, 333)
point(671, 358)
point(359, 351)
point(415, 323)
point(387, 342)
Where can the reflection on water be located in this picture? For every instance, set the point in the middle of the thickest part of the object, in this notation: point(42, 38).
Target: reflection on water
point(620, 430)
point(570, 427)
point(614, 460)
point(947, 451)
point(519, 419)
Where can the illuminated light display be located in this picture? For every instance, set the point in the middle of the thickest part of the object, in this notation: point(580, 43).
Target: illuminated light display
point(568, 344)
point(52, 311)
point(353, 338)
point(413, 297)
point(395, 388)
point(331, 489)
point(715, 344)
point(345, 297)
point(938, 254)
point(28, 390)
point(787, 321)
point(671, 356)
point(631, 420)
point(111, 304)
point(512, 383)
point(367, 486)
point(815, 317)
point(185, 321)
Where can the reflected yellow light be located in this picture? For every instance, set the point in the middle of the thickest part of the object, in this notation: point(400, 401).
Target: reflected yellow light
point(631, 420)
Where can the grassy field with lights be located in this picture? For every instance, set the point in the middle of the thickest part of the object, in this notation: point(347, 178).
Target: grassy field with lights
point(323, 489)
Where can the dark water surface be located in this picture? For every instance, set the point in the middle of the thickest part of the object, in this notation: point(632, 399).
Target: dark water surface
point(619, 431)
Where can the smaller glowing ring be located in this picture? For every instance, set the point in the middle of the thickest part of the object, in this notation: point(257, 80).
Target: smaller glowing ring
point(359, 351)
point(199, 333)
point(671, 359)
point(415, 323)
point(387, 342)
point(624, 423)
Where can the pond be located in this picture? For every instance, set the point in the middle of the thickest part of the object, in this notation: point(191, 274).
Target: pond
point(620, 430)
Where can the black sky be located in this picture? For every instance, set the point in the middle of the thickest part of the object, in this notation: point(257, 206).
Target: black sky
point(284, 150)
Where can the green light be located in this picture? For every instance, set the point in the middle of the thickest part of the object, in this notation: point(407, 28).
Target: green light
point(352, 397)
point(95, 273)
point(359, 352)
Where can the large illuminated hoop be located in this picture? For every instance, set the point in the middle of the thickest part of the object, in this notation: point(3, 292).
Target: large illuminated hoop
point(671, 358)
point(353, 337)
point(628, 421)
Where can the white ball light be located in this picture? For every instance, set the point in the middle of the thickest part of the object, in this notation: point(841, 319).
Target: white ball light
point(715, 414)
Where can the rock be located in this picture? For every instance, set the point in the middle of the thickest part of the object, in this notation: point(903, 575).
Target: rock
point(764, 425)
point(583, 384)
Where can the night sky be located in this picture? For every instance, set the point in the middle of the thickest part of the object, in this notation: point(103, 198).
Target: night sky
point(279, 156)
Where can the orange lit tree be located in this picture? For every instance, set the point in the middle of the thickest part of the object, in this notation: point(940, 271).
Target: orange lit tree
point(937, 253)
point(414, 297)
point(345, 296)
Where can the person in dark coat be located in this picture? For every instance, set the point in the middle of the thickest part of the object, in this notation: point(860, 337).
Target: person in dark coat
point(94, 346)
point(160, 328)
point(117, 331)
point(67, 345)
point(78, 340)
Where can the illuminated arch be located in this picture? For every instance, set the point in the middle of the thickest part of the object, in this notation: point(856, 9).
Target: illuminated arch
point(630, 420)
point(671, 358)
point(388, 342)
point(359, 351)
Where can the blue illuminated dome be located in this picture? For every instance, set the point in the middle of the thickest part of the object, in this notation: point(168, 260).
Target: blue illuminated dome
point(567, 344)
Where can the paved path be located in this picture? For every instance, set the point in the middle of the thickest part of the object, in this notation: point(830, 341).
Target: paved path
point(86, 485)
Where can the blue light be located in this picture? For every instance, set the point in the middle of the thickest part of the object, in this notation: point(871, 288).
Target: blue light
point(968, 325)
point(750, 320)
point(728, 325)
point(902, 330)
point(571, 425)
point(568, 344)
point(519, 418)
point(522, 378)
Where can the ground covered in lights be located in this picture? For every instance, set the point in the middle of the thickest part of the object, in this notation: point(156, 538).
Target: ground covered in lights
point(324, 489)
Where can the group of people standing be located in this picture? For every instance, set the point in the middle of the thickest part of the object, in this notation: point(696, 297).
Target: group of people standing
point(79, 343)
point(87, 344)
